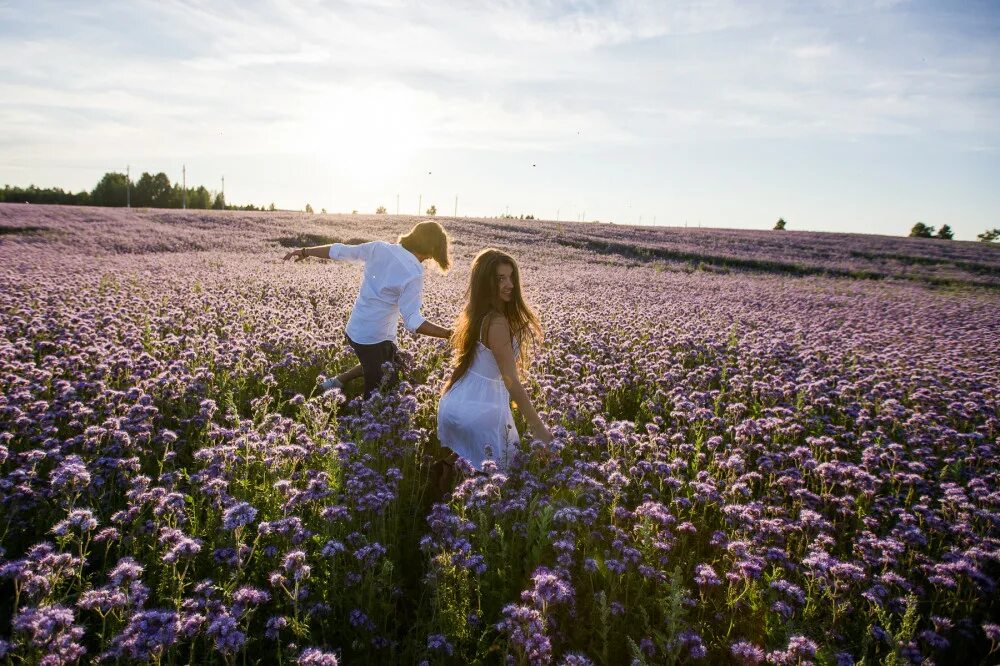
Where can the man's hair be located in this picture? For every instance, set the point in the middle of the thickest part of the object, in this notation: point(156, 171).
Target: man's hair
point(428, 238)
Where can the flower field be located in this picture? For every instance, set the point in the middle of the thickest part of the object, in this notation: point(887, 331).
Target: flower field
point(770, 448)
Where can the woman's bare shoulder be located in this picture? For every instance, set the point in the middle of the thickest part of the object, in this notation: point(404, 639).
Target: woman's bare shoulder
point(497, 330)
point(497, 322)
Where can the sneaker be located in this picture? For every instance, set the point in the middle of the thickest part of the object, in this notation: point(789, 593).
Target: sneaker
point(332, 383)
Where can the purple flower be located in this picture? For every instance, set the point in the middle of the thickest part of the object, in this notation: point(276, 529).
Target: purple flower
point(107, 534)
point(549, 587)
point(225, 631)
point(360, 620)
point(238, 515)
point(103, 599)
point(316, 657)
point(148, 633)
point(70, 474)
point(746, 654)
point(525, 629)
point(246, 597)
point(181, 548)
point(81, 519)
point(705, 576)
point(273, 626)
point(440, 642)
point(800, 649)
point(294, 563)
point(51, 628)
point(692, 641)
point(844, 659)
point(331, 548)
point(126, 570)
point(191, 624)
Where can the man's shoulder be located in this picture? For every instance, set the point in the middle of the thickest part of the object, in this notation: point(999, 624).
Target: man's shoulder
point(405, 259)
point(383, 251)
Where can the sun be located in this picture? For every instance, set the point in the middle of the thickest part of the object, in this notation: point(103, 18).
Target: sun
point(368, 135)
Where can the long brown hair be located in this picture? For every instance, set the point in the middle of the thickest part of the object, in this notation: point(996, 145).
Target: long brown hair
point(428, 238)
point(482, 296)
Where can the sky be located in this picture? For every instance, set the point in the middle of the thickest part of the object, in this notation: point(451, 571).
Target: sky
point(838, 115)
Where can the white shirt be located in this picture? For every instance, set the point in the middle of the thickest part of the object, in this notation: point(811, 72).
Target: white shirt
point(393, 286)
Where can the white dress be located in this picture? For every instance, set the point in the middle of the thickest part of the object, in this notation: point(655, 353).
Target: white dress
point(474, 417)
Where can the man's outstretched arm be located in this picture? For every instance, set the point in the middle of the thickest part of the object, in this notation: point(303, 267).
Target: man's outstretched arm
point(332, 251)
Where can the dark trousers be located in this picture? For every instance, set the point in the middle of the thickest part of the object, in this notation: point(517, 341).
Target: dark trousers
point(372, 357)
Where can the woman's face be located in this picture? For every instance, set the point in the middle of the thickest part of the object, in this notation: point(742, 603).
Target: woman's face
point(505, 282)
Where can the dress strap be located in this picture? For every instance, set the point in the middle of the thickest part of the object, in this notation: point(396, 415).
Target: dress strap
point(482, 325)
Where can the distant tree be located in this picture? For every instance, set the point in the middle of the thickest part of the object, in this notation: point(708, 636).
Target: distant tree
point(177, 198)
point(323, 211)
point(921, 230)
point(111, 190)
point(945, 232)
point(199, 198)
point(272, 207)
point(219, 202)
point(780, 224)
point(432, 210)
point(153, 191)
point(309, 208)
point(43, 195)
point(989, 235)
point(529, 217)
point(380, 210)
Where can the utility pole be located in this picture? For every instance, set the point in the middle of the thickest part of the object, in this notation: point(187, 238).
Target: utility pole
point(223, 190)
point(456, 205)
point(128, 187)
point(557, 214)
point(184, 187)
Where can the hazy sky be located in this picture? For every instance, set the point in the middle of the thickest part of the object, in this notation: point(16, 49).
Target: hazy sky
point(838, 115)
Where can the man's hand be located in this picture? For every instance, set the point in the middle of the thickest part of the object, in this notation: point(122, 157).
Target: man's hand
point(298, 255)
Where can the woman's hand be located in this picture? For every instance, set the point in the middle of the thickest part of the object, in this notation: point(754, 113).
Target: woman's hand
point(298, 255)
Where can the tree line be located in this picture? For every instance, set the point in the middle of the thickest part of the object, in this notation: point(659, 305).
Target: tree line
point(117, 190)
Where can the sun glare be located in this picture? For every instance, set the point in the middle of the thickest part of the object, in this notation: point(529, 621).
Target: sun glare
point(369, 135)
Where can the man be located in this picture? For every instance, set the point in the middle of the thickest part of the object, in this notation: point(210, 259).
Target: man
point(392, 286)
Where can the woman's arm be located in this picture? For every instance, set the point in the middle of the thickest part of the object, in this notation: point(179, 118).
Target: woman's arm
point(498, 340)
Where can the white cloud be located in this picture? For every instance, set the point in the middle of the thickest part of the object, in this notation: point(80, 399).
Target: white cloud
point(813, 51)
point(377, 83)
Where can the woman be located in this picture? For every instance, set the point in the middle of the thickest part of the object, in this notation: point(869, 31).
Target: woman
point(494, 330)
point(392, 286)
